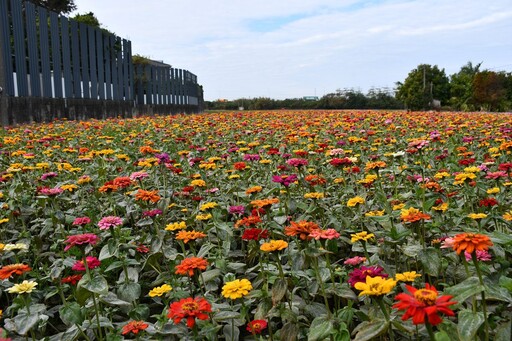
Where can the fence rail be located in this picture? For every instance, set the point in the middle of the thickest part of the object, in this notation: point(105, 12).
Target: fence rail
point(54, 67)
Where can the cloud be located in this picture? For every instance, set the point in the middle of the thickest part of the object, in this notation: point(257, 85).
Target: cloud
point(290, 48)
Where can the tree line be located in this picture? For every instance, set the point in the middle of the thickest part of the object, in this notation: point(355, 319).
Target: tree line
point(427, 87)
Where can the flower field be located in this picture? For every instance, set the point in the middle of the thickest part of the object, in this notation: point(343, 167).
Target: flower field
point(287, 225)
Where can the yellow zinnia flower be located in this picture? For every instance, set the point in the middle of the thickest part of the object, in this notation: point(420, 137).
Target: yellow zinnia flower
point(354, 201)
point(375, 286)
point(361, 236)
point(208, 205)
point(408, 276)
point(176, 226)
point(477, 215)
point(236, 289)
point(159, 291)
point(22, 288)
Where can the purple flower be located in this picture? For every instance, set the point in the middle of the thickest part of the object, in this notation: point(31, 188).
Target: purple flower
point(163, 158)
point(110, 221)
point(360, 274)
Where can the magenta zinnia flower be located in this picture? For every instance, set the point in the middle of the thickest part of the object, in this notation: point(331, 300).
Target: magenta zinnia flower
point(296, 162)
point(111, 221)
point(359, 275)
point(236, 209)
point(80, 239)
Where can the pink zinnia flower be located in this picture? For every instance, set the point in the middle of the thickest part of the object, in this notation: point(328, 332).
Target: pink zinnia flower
point(48, 175)
point(80, 221)
point(111, 221)
point(447, 243)
point(496, 175)
point(50, 191)
point(138, 175)
point(355, 260)
point(92, 263)
point(481, 255)
point(296, 162)
point(79, 239)
point(324, 234)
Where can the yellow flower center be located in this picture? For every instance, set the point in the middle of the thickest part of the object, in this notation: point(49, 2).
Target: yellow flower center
point(190, 306)
point(425, 296)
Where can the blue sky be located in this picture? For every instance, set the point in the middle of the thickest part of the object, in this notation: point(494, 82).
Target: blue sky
point(294, 48)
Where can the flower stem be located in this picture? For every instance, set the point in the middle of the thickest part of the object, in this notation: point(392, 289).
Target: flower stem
point(484, 303)
point(429, 330)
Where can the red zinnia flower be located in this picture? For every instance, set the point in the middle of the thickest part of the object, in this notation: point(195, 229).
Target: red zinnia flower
point(256, 326)
point(79, 239)
point(73, 280)
point(13, 269)
point(254, 234)
point(189, 308)
point(134, 327)
point(423, 303)
point(188, 265)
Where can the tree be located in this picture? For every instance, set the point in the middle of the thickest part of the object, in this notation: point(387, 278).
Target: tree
point(59, 6)
point(422, 86)
point(461, 89)
point(489, 91)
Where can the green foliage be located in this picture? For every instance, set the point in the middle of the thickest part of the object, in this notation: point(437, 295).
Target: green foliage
point(423, 85)
point(59, 6)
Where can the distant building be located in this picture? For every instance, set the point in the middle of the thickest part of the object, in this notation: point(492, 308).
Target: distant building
point(310, 98)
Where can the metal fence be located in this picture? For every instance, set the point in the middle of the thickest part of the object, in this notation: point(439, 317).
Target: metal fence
point(54, 67)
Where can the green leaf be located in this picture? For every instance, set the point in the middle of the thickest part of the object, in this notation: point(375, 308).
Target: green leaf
point(141, 312)
point(506, 283)
point(129, 292)
point(503, 332)
point(281, 219)
point(367, 330)
point(431, 261)
point(226, 315)
point(231, 333)
point(24, 322)
point(279, 290)
point(98, 284)
point(210, 275)
point(468, 325)
point(111, 299)
point(462, 291)
point(71, 314)
point(320, 328)
point(442, 336)
point(289, 332)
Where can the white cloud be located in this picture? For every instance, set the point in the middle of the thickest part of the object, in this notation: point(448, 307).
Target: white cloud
point(320, 44)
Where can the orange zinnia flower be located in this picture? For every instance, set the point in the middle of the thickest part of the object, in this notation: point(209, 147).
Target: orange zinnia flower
point(264, 203)
point(188, 265)
point(187, 236)
point(302, 228)
point(147, 195)
point(412, 214)
point(134, 327)
point(189, 308)
point(122, 181)
point(248, 221)
point(423, 303)
point(13, 269)
point(109, 186)
point(470, 242)
point(374, 165)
